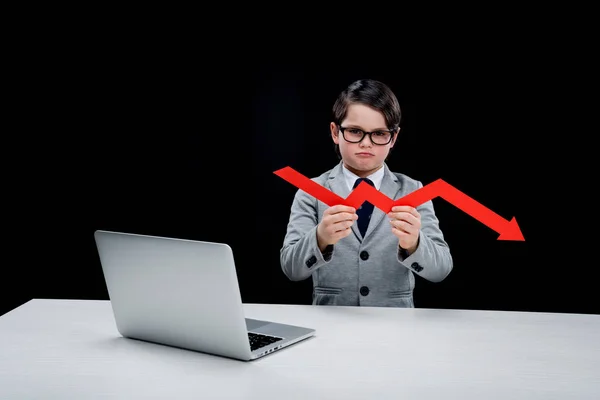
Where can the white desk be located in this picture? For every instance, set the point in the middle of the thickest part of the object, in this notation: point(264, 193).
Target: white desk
point(70, 349)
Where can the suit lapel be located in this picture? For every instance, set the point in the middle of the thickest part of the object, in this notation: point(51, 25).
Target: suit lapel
point(390, 187)
point(337, 182)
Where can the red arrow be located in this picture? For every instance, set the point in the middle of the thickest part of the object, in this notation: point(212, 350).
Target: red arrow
point(508, 230)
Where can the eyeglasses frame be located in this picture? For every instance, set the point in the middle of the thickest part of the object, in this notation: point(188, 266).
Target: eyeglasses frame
point(365, 133)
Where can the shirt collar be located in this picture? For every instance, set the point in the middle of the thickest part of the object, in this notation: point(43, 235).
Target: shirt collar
point(376, 177)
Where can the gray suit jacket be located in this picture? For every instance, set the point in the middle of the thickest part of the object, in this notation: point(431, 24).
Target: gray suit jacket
point(370, 271)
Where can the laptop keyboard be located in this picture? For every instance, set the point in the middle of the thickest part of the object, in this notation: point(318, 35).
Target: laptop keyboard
point(257, 340)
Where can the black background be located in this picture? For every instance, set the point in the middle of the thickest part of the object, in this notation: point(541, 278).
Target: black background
point(149, 147)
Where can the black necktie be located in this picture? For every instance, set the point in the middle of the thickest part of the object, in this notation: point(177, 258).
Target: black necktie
point(365, 210)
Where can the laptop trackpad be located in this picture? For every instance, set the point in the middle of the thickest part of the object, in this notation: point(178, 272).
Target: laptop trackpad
point(254, 324)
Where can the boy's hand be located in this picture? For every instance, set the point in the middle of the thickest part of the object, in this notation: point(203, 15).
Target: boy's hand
point(335, 225)
point(406, 224)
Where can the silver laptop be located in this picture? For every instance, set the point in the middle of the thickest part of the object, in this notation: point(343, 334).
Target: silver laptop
point(185, 294)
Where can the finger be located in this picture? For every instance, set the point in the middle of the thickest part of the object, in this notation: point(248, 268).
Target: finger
point(408, 209)
point(405, 216)
point(342, 226)
point(405, 209)
point(342, 234)
point(343, 216)
point(403, 226)
point(340, 208)
point(337, 235)
point(400, 234)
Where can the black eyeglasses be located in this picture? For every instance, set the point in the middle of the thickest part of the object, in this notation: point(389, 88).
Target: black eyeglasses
point(355, 135)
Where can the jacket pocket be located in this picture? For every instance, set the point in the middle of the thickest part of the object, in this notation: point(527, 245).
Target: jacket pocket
point(327, 290)
point(326, 296)
point(400, 299)
point(402, 294)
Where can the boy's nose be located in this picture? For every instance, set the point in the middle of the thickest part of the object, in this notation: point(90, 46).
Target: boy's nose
point(365, 142)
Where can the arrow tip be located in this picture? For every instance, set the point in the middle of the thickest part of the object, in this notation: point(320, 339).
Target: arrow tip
point(280, 171)
point(512, 232)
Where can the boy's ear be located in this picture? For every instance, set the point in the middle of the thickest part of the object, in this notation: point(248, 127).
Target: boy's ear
point(395, 137)
point(334, 132)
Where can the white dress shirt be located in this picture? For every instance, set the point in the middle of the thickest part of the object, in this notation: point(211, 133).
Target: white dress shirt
point(375, 177)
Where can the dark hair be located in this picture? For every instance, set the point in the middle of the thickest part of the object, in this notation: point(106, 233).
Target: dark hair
point(371, 93)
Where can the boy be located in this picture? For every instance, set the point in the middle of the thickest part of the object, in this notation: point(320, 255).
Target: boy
point(364, 257)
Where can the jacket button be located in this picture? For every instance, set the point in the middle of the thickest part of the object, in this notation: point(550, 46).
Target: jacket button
point(364, 255)
point(364, 290)
point(416, 267)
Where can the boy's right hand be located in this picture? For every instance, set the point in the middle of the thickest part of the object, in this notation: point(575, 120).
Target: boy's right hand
point(335, 225)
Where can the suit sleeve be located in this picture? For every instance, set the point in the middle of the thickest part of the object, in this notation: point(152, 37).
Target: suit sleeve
point(432, 259)
point(300, 254)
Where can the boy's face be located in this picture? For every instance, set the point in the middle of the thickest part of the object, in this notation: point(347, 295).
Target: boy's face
point(362, 158)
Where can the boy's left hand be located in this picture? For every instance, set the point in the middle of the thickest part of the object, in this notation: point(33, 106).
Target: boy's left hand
point(406, 224)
